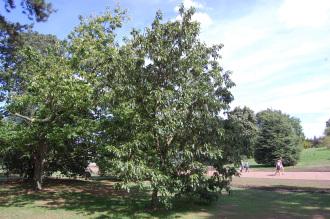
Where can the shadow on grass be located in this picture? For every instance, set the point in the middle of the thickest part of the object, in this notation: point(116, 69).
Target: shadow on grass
point(287, 188)
point(279, 203)
point(94, 199)
point(100, 200)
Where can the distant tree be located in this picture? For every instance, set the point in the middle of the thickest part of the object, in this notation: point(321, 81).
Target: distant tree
point(326, 138)
point(308, 143)
point(241, 130)
point(316, 141)
point(327, 128)
point(280, 135)
point(327, 123)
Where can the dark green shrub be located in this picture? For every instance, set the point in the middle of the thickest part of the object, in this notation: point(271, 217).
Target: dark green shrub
point(280, 136)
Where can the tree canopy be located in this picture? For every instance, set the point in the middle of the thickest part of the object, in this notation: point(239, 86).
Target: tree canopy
point(280, 136)
point(241, 131)
point(10, 37)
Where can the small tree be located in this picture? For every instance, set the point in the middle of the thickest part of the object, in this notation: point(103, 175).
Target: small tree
point(326, 139)
point(279, 136)
point(327, 128)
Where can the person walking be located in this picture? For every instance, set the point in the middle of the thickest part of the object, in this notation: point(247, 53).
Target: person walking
point(281, 166)
point(241, 167)
point(278, 165)
point(246, 166)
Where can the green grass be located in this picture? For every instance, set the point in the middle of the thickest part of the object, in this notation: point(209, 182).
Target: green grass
point(98, 199)
point(312, 159)
point(250, 203)
point(315, 157)
point(287, 184)
point(78, 199)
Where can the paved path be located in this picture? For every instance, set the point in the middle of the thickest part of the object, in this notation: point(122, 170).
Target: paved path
point(289, 175)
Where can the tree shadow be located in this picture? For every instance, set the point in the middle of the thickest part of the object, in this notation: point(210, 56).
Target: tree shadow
point(291, 189)
point(279, 202)
point(97, 199)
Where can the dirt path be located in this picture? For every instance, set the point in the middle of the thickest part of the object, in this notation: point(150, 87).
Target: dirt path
point(288, 175)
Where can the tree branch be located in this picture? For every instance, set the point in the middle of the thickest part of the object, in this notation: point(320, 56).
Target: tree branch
point(31, 120)
point(24, 117)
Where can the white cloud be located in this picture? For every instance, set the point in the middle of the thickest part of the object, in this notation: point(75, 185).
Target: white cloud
point(304, 13)
point(191, 3)
point(275, 65)
point(203, 18)
point(276, 57)
point(302, 88)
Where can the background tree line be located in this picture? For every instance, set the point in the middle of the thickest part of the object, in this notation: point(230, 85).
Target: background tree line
point(322, 141)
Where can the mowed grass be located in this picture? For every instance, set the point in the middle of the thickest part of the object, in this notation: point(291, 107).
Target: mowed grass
point(311, 159)
point(251, 198)
point(80, 199)
point(314, 157)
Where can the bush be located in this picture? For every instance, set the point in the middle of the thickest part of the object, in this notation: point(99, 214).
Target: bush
point(307, 144)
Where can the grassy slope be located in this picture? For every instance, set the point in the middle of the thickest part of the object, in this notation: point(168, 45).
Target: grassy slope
point(312, 159)
point(79, 200)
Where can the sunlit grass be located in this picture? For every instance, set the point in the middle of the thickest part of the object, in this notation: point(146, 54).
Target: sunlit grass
point(79, 199)
point(314, 157)
point(309, 158)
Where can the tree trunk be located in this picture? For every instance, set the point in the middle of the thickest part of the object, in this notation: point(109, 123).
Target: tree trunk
point(154, 199)
point(39, 161)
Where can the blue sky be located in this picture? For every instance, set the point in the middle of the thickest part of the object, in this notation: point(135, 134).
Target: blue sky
point(279, 51)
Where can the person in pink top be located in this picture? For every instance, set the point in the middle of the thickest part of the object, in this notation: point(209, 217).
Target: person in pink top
point(278, 165)
point(279, 168)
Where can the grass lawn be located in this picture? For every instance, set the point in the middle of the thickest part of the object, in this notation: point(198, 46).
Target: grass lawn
point(312, 159)
point(80, 199)
point(251, 198)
